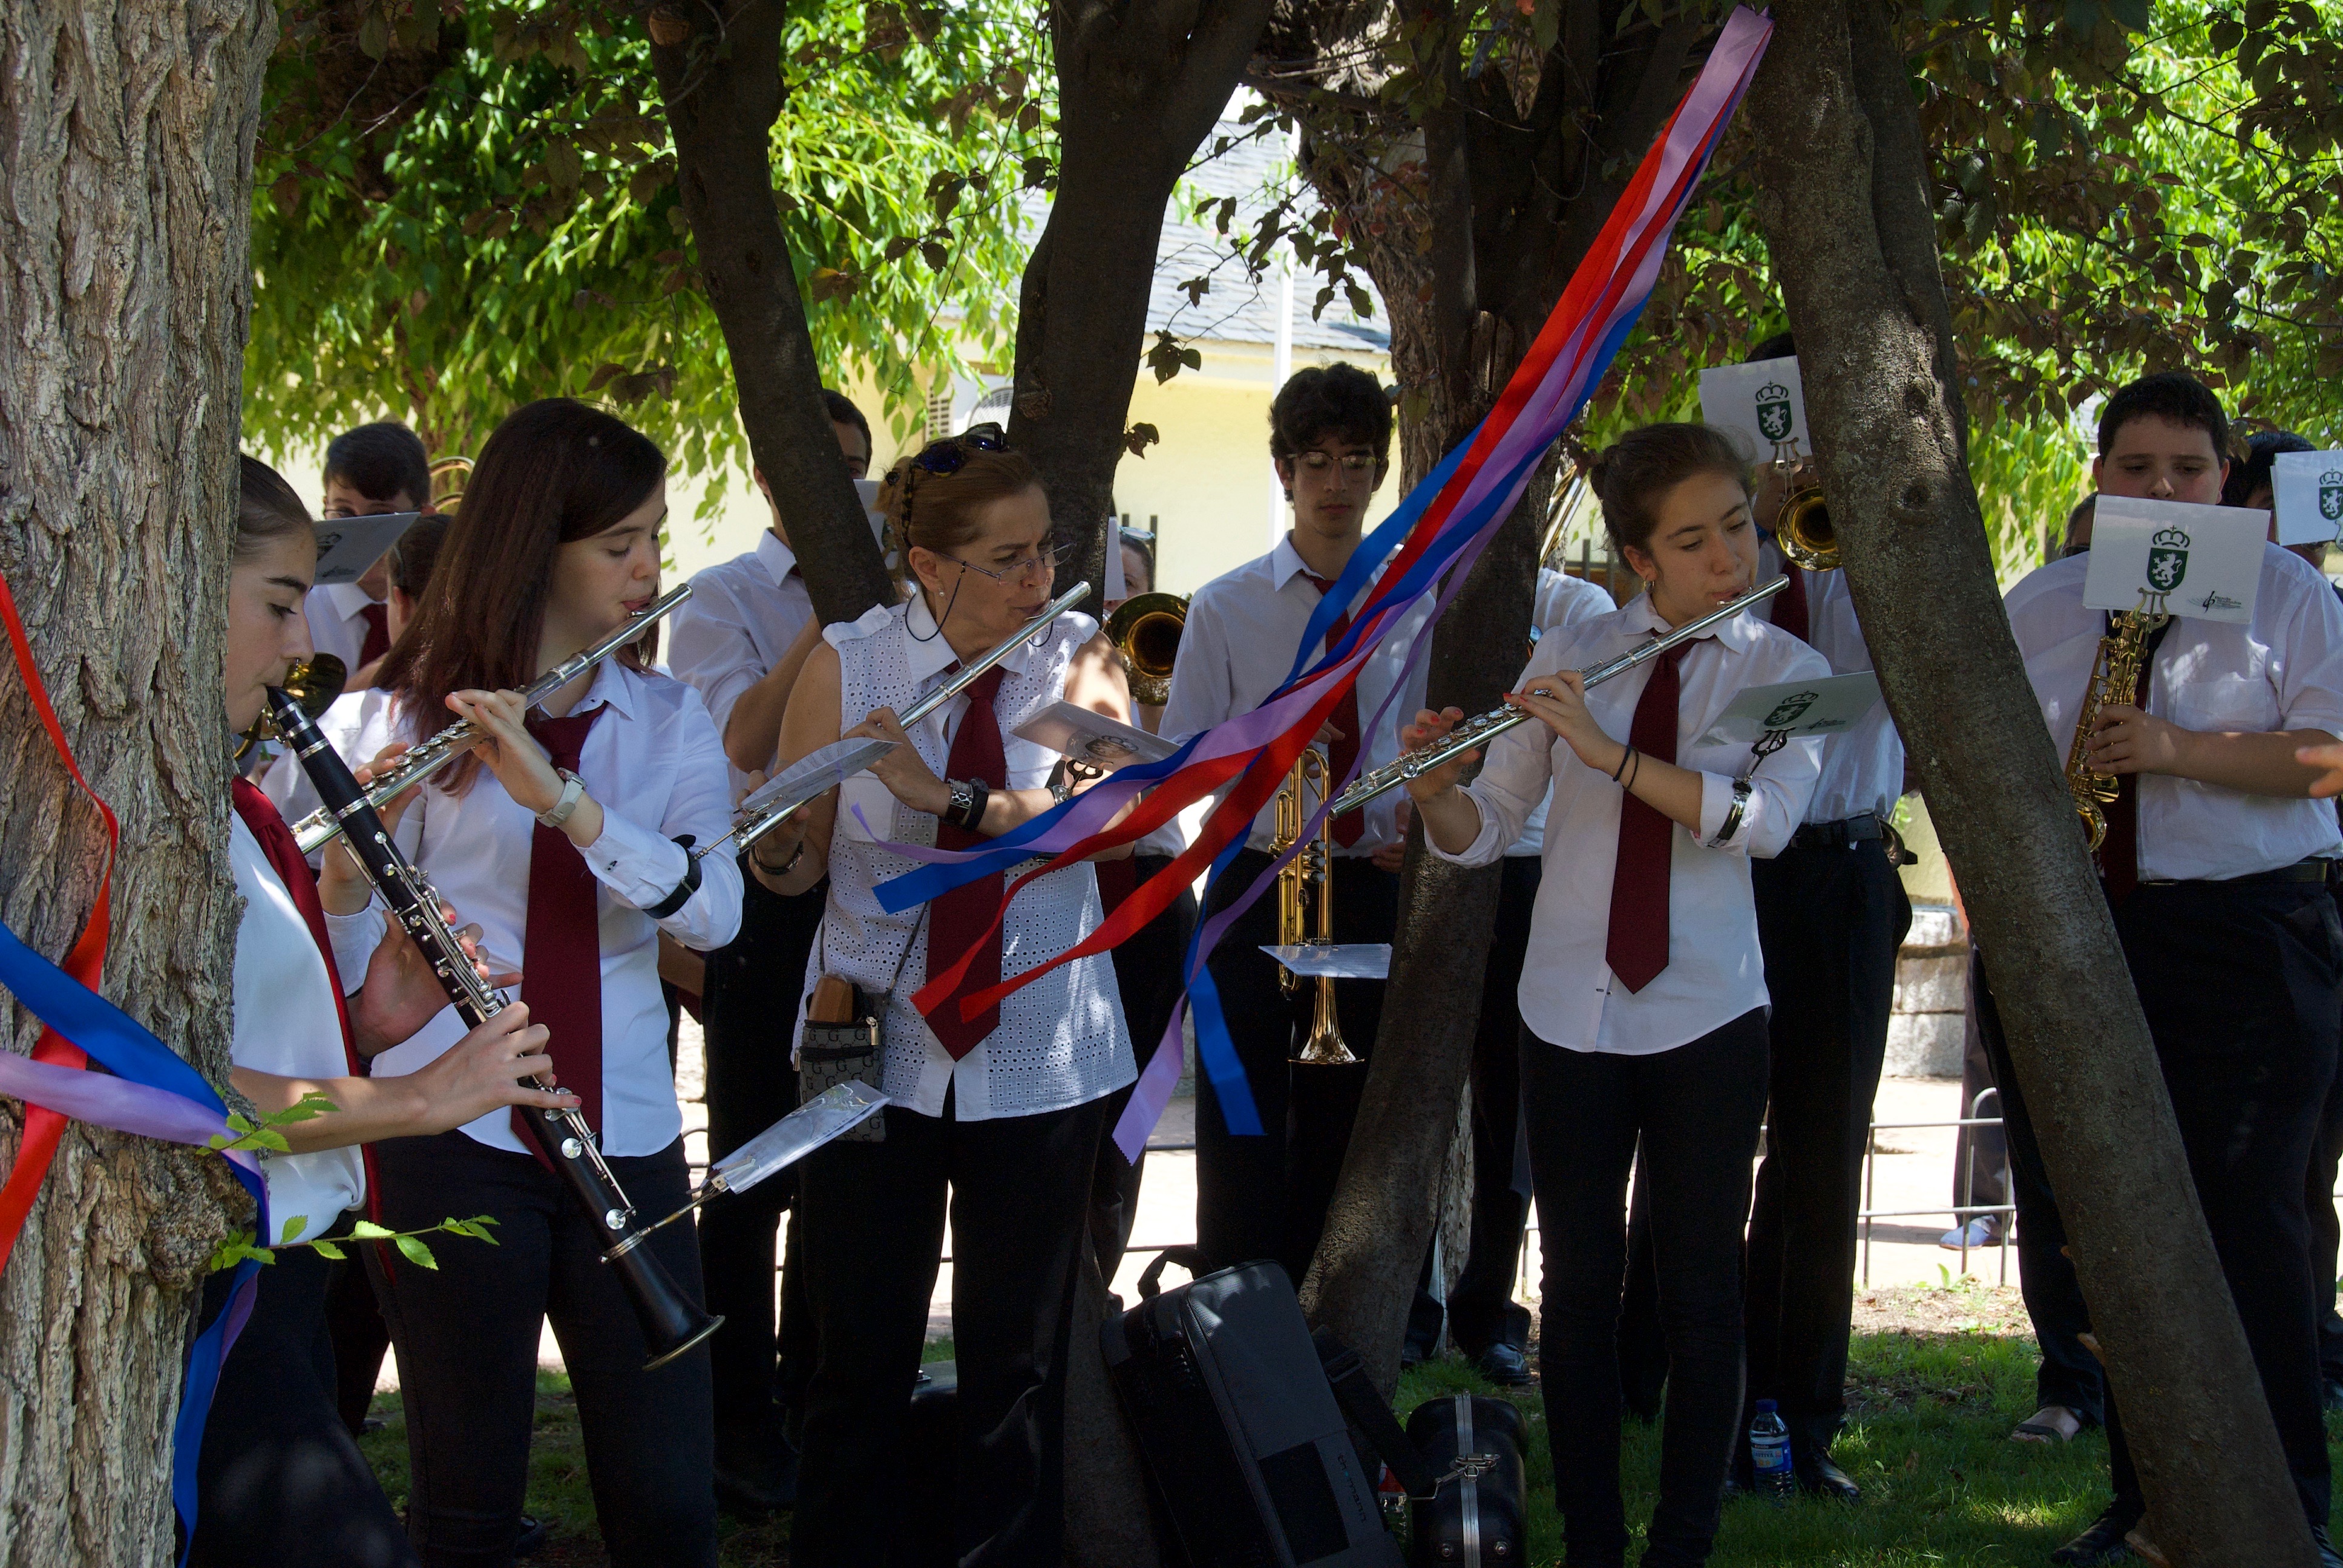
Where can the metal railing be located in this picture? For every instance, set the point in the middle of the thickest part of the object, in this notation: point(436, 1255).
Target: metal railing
point(1961, 1213)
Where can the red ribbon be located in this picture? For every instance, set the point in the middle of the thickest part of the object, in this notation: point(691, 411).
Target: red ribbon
point(86, 963)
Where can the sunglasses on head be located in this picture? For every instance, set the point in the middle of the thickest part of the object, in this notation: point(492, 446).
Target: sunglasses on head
point(951, 454)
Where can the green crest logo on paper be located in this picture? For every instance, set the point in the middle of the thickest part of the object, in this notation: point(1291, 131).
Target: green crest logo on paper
point(1785, 712)
point(2167, 560)
point(2330, 496)
point(1773, 415)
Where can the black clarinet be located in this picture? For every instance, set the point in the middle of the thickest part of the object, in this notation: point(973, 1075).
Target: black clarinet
point(670, 1323)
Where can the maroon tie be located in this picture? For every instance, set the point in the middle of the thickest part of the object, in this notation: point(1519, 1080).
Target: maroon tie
point(283, 856)
point(378, 637)
point(561, 944)
point(1638, 948)
point(1344, 753)
point(963, 917)
point(1790, 604)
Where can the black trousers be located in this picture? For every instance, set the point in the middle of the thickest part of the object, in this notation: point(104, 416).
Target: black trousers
point(872, 1216)
point(467, 1337)
point(2243, 988)
point(1696, 1109)
point(279, 1480)
point(1482, 1310)
point(1830, 919)
point(1146, 971)
point(1266, 1197)
point(747, 1014)
point(2326, 1234)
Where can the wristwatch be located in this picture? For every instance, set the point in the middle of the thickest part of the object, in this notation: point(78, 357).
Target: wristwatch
point(573, 789)
point(963, 799)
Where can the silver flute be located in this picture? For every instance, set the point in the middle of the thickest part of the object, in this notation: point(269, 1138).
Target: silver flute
point(1483, 727)
point(751, 825)
point(321, 827)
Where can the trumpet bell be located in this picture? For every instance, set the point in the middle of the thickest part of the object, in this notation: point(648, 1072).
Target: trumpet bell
point(449, 477)
point(1145, 630)
point(1803, 530)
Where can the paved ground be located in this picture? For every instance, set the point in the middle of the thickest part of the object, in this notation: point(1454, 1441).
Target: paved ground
point(1912, 1171)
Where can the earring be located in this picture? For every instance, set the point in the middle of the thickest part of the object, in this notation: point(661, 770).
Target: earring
point(1288, 496)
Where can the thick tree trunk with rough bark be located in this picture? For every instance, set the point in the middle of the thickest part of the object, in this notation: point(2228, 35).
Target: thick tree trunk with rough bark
point(126, 147)
point(1138, 85)
point(723, 92)
point(1498, 154)
point(1845, 202)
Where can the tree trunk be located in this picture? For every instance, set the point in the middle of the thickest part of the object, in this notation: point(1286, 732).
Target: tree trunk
point(722, 96)
point(1138, 85)
point(1502, 246)
point(125, 143)
point(1844, 202)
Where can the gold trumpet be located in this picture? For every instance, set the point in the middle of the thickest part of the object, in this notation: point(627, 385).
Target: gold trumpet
point(1314, 864)
point(449, 477)
point(1802, 529)
point(1145, 630)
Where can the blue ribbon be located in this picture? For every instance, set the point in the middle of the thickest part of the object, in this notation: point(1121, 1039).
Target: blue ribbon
point(129, 1051)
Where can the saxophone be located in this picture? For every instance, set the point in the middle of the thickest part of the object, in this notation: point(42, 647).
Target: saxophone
point(2115, 679)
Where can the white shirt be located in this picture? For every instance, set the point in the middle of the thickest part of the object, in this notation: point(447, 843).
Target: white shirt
point(2282, 670)
point(337, 625)
point(1239, 645)
point(286, 1022)
point(1715, 971)
point(1563, 601)
point(739, 620)
point(1863, 766)
point(1061, 1040)
point(653, 762)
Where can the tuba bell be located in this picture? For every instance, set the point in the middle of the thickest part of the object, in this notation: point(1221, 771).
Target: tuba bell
point(1802, 529)
point(1312, 870)
point(1145, 630)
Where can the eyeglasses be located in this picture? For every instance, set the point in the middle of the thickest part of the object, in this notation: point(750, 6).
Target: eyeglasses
point(1318, 462)
point(1043, 564)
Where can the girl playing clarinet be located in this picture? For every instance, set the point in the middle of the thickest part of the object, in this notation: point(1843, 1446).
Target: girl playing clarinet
point(279, 1479)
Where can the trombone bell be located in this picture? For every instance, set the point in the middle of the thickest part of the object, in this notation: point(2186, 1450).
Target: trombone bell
point(1801, 530)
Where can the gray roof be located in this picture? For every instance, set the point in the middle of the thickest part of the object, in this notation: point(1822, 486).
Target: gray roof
point(1238, 310)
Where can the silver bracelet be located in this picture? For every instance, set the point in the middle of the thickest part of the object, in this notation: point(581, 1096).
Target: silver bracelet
point(1732, 824)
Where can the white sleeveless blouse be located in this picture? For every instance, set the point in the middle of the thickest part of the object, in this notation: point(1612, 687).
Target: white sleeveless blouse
point(1061, 1041)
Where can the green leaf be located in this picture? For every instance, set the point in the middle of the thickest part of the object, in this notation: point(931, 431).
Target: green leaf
point(417, 1253)
point(293, 1227)
point(374, 35)
point(368, 1231)
point(328, 1249)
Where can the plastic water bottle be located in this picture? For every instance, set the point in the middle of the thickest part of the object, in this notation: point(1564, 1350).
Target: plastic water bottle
point(1769, 1455)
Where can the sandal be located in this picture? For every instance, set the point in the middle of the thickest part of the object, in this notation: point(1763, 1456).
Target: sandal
point(2051, 1424)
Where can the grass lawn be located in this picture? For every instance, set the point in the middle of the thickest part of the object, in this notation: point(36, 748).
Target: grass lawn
point(1930, 1410)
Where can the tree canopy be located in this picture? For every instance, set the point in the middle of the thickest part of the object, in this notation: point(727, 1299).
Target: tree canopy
point(456, 213)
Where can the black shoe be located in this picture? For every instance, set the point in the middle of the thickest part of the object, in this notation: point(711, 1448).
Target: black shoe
point(2103, 1542)
point(1820, 1477)
point(1505, 1365)
point(531, 1539)
point(756, 1470)
point(2328, 1556)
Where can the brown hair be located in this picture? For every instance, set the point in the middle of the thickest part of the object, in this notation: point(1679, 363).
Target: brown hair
point(417, 552)
point(267, 509)
point(939, 511)
point(554, 472)
point(1633, 472)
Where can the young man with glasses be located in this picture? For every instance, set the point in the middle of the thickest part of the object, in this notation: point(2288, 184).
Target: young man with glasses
point(1266, 1196)
point(740, 639)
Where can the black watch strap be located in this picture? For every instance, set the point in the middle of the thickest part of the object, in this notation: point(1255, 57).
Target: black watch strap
point(683, 889)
